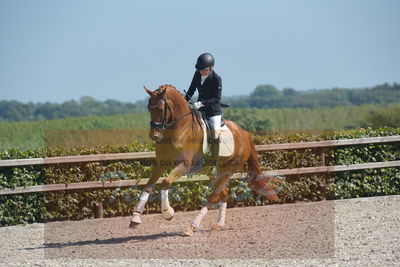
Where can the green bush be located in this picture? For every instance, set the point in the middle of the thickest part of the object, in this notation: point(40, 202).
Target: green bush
point(79, 204)
point(371, 182)
point(23, 208)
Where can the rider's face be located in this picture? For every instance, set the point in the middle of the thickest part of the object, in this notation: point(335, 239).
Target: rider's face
point(205, 72)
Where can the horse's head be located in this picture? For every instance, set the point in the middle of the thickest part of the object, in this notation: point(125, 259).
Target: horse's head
point(158, 112)
point(167, 107)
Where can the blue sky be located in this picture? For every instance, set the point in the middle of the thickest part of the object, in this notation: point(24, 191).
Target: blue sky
point(62, 50)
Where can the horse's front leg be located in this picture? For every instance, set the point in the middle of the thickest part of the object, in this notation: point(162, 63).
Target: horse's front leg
point(156, 173)
point(178, 171)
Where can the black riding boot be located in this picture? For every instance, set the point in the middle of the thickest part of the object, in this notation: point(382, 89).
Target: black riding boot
point(214, 151)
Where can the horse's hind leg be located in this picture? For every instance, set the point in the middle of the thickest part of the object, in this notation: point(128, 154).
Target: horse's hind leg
point(220, 193)
point(223, 203)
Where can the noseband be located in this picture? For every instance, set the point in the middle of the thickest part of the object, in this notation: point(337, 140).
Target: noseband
point(163, 124)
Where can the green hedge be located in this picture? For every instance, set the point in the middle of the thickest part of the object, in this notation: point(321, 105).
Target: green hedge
point(372, 182)
point(39, 207)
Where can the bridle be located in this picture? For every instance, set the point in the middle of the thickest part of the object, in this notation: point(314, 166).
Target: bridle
point(159, 125)
point(163, 124)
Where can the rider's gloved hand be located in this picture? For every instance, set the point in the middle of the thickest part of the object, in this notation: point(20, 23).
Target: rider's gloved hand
point(198, 105)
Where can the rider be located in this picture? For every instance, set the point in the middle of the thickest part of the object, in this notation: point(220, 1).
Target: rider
point(209, 85)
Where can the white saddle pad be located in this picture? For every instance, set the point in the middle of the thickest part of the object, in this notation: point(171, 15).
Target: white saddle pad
point(226, 145)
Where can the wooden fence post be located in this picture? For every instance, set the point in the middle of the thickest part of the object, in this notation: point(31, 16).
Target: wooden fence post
point(99, 213)
point(322, 157)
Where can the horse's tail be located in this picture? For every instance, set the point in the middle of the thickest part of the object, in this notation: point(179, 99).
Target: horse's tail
point(258, 181)
point(253, 161)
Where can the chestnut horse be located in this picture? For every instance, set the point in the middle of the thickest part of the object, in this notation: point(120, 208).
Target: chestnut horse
point(178, 135)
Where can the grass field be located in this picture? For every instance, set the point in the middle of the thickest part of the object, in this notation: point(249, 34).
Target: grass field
point(37, 134)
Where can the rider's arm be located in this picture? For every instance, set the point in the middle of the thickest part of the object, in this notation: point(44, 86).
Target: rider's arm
point(192, 87)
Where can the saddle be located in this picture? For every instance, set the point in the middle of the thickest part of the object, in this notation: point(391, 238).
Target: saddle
point(226, 141)
point(207, 123)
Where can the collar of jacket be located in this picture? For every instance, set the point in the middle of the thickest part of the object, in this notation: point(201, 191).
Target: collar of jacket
point(210, 74)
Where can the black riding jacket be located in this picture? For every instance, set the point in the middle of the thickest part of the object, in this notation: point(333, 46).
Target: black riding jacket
point(209, 92)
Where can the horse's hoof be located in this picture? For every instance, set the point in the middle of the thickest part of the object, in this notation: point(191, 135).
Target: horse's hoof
point(133, 224)
point(189, 231)
point(168, 214)
point(217, 227)
point(135, 221)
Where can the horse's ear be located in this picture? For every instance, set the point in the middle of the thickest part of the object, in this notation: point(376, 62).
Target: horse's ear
point(148, 91)
point(162, 94)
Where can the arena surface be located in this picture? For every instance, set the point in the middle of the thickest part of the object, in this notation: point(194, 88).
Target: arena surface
point(356, 232)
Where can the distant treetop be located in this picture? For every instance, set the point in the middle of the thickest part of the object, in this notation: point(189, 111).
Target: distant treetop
point(263, 96)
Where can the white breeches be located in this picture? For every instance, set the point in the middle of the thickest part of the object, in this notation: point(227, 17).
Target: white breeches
point(215, 122)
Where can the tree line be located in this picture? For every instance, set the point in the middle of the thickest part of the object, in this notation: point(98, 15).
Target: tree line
point(268, 96)
point(86, 106)
point(263, 96)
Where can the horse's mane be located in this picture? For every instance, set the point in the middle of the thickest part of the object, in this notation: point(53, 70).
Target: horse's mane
point(176, 97)
point(172, 92)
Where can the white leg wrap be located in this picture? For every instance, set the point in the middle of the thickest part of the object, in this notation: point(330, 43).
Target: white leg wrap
point(166, 209)
point(196, 222)
point(221, 214)
point(164, 200)
point(144, 197)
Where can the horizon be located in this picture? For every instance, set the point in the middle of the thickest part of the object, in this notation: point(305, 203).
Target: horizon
point(195, 95)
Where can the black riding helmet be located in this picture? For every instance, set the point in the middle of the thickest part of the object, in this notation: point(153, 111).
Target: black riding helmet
point(204, 61)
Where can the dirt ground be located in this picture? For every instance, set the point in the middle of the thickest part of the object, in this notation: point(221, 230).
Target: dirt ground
point(357, 232)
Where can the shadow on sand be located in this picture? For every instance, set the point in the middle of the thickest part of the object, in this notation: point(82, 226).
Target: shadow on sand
point(108, 241)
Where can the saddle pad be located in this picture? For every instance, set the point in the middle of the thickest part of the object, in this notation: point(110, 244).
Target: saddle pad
point(226, 145)
point(206, 145)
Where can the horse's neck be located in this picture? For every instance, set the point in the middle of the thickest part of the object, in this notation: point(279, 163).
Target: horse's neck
point(187, 124)
point(180, 107)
